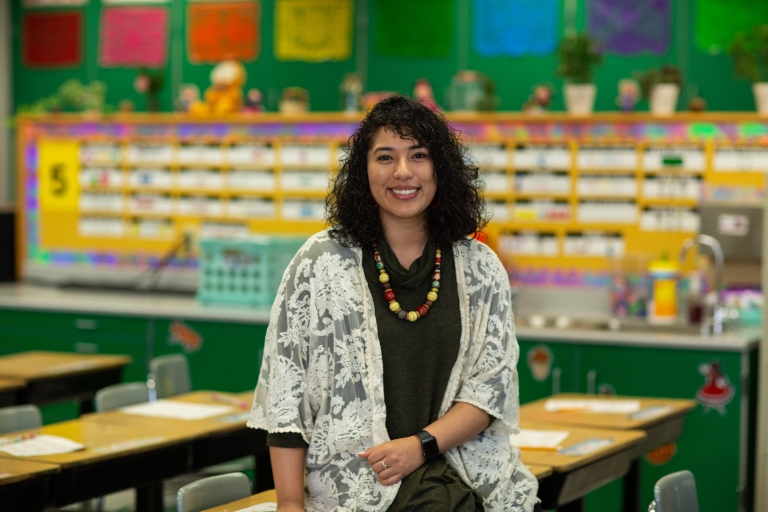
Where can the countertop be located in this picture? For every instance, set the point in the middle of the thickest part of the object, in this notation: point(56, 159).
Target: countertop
point(147, 305)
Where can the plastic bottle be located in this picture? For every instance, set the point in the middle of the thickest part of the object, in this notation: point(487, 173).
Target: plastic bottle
point(662, 296)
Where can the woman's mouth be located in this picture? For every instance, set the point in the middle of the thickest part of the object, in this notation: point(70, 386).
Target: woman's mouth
point(404, 193)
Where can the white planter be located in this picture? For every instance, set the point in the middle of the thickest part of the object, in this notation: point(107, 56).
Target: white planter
point(664, 99)
point(580, 99)
point(760, 90)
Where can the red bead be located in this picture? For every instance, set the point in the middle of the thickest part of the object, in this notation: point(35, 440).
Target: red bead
point(437, 260)
point(377, 257)
point(389, 295)
point(436, 276)
point(386, 286)
point(428, 303)
point(422, 310)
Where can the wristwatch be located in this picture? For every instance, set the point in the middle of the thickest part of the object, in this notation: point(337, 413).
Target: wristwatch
point(429, 446)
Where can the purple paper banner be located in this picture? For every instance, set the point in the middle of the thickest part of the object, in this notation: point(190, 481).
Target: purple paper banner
point(629, 27)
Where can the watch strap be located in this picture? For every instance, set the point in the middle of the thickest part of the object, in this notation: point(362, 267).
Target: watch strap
point(429, 447)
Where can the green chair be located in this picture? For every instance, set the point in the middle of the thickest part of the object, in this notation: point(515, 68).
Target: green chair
point(169, 376)
point(212, 491)
point(121, 395)
point(675, 492)
point(19, 417)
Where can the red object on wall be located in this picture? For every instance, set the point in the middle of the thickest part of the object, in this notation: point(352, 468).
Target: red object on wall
point(52, 39)
point(218, 31)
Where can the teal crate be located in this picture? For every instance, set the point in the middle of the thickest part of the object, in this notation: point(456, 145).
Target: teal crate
point(244, 271)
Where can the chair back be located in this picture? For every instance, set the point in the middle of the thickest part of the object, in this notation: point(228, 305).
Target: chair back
point(212, 491)
point(171, 375)
point(19, 417)
point(121, 395)
point(676, 492)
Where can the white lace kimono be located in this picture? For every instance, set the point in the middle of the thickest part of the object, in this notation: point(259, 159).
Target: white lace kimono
point(321, 377)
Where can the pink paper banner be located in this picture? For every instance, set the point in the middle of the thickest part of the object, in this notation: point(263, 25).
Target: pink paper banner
point(134, 37)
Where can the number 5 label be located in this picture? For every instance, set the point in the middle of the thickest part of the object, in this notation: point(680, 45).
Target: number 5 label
point(59, 166)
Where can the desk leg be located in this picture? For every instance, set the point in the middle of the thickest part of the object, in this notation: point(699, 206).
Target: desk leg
point(263, 473)
point(632, 487)
point(87, 406)
point(574, 506)
point(149, 498)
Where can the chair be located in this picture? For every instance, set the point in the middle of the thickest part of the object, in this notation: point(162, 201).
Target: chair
point(212, 491)
point(19, 417)
point(121, 395)
point(169, 375)
point(675, 492)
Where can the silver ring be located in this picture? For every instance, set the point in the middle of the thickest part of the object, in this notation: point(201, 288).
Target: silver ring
point(384, 464)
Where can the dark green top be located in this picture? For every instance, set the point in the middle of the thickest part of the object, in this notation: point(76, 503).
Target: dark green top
point(418, 358)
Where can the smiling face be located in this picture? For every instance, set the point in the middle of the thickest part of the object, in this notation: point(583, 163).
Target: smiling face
point(401, 177)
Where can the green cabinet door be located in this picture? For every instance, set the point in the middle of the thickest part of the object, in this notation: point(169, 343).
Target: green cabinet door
point(222, 356)
point(545, 368)
point(710, 444)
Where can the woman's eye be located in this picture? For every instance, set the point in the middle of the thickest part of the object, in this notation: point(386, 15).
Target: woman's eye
point(421, 155)
point(383, 157)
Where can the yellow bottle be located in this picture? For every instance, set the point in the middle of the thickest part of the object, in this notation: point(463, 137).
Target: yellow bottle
point(662, 297)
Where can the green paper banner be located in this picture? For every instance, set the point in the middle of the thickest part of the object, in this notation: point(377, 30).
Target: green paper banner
point(405, 28)
point(717, 21)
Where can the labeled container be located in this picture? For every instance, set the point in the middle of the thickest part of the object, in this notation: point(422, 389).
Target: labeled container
point(662, 293)
point(244, 271)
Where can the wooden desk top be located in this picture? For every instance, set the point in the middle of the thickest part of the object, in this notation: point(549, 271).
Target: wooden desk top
point(11, 384)
point(540, 472)
point(102, 441)
point(642, 420)
point(563, 463)
point(233, 419)
point(16, 470)
point(39, 365)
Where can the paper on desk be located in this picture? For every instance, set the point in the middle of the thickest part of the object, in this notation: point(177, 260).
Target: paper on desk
point(42, 444)
point(542, 439)
point(596, 406)
point(176, 410)
point(261, 507)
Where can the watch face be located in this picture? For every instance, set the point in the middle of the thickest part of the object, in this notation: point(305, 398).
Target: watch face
point(429, 447)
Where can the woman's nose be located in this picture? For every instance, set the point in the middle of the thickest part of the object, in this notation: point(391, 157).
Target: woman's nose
point(403, 169)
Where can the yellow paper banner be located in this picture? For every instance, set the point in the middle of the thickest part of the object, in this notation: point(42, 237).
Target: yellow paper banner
point(58, 171)
point(313, 30)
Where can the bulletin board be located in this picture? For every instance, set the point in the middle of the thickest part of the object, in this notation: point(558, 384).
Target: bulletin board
point(567, 196)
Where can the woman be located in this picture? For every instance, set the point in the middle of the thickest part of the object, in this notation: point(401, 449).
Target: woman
point(389, 374)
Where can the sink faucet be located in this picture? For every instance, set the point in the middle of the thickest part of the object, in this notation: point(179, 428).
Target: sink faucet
point(712, 322)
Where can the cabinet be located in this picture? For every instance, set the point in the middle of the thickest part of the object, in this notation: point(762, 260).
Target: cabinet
point(718, 441)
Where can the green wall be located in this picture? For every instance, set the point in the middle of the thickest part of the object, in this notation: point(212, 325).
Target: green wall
point(711, 74)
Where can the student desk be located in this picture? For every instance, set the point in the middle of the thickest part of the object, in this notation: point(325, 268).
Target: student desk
point(60, 376)
point(575, 476)
point(24, 484)
point(270, 496)
point(661, 419)
point(210, 441)
point(10, 391)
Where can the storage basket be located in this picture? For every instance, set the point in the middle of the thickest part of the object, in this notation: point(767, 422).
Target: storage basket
point(244, 270)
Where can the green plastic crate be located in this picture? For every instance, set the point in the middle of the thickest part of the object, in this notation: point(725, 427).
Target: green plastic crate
point(244, 271)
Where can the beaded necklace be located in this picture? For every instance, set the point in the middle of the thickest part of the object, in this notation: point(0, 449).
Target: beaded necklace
point(389, 294)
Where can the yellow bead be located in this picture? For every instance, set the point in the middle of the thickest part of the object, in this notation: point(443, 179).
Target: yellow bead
point(413, 316)
point(432, 295)
point(384, 277)
point(394, 306)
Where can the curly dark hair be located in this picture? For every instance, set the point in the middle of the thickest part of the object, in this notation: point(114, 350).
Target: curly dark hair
point(459, 209)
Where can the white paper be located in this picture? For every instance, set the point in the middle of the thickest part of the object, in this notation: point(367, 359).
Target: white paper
point(652, 411)
point(270, 506)
point(41, 445)
point(529, 438)
point(595, 406)
point(177, 410)
point(587, 446)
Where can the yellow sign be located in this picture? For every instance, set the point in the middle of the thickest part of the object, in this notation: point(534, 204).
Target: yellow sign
point(313, 30)
point(58, 170)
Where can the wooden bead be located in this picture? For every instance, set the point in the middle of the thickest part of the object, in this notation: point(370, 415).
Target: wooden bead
point(432, 296)
point(422, 310)
point(394, 306)
point(387, 286)
point(401, 314)
point(384, 277)
point(428, 303)
point(413, 316)
point(436, 276)
point(435, 284)
point(389, 295)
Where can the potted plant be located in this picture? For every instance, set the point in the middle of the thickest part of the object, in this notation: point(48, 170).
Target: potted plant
point(661, 87)
point(749, 52)
point(578, 55)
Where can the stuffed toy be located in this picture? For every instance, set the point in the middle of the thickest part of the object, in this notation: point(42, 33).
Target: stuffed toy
point(225, 95)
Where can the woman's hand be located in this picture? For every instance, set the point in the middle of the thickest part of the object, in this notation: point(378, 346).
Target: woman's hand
point(401, 458)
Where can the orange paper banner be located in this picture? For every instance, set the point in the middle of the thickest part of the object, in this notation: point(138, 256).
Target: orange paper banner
point(223, 30)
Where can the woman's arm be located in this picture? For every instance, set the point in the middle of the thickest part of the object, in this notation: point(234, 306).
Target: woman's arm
point(402, 457)
point(288, 473)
